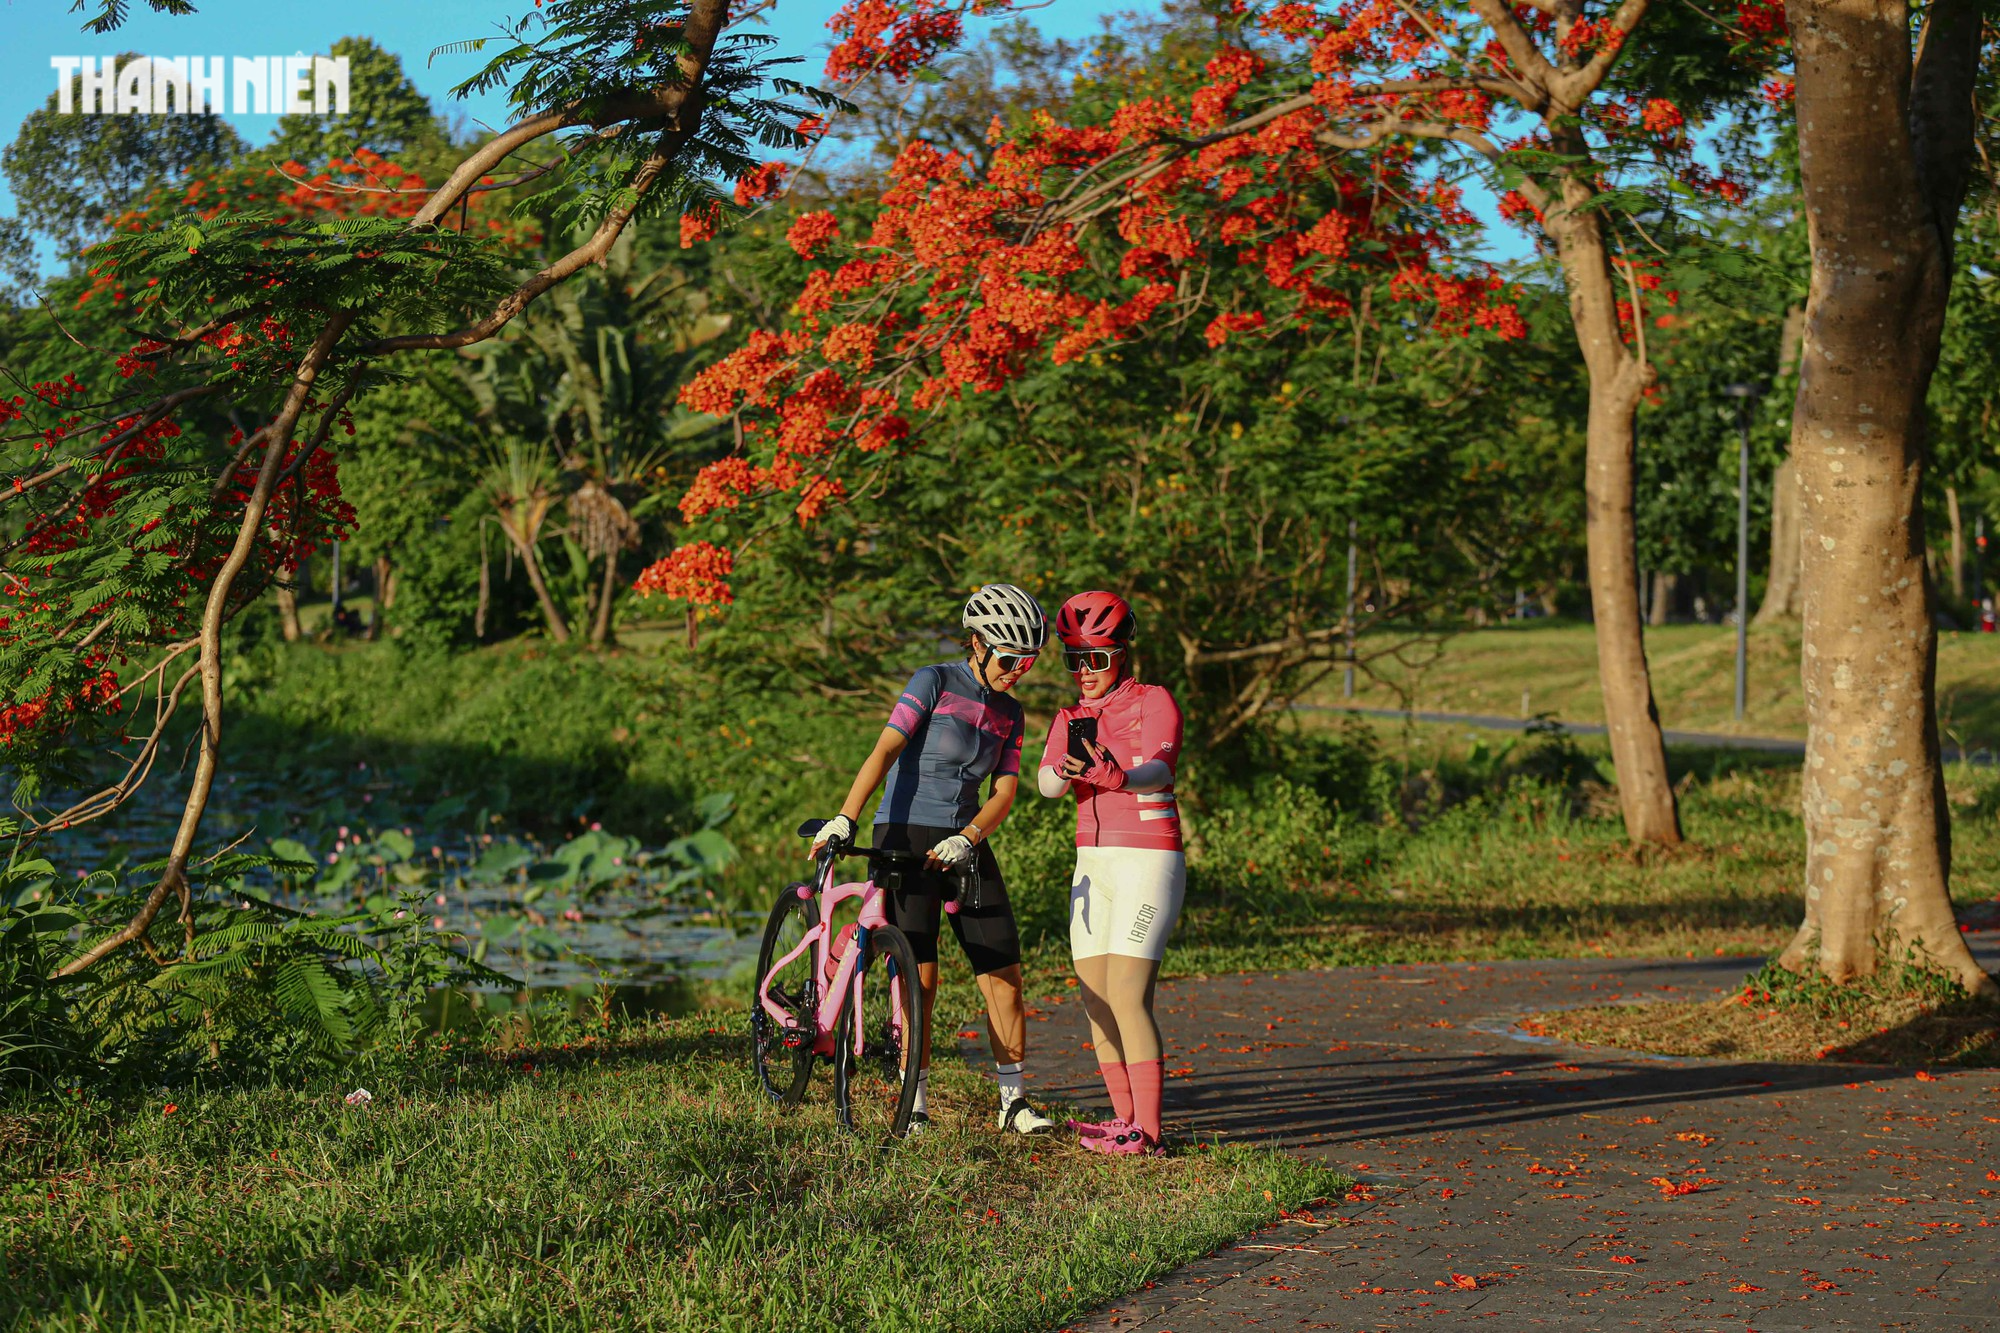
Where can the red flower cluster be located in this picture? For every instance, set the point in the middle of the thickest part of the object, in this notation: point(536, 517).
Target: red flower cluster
point(761, 184)
point(697, 573)
point(962, 282)
point(46, 712)
point(896, 39)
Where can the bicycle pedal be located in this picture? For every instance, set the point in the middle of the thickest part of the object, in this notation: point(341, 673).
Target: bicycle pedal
point(797, 1038)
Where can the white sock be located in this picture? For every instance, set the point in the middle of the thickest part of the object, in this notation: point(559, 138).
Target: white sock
point(1010, 1082)
point(923, 1092)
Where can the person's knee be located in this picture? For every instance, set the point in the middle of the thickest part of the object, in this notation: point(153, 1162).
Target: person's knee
point(1006, 978)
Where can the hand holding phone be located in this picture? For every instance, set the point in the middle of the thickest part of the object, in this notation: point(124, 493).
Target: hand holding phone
point(1082, 734)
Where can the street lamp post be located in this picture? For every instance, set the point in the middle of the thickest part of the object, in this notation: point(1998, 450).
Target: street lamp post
point(1742, 393)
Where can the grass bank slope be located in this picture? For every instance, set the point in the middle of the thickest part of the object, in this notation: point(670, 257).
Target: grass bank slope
point(1553, 669)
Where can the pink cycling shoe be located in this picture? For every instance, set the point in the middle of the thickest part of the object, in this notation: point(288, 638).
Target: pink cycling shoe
point(1131, 1143)
point(1103, 1129)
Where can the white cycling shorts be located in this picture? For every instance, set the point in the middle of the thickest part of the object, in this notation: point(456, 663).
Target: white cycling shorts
point(1125, 900)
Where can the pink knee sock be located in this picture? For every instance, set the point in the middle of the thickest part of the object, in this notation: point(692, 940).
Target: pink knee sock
point(1120, 1089)
point(1145, 1076)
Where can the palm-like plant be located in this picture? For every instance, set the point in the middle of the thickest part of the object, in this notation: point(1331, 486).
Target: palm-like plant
point(520, 484)
point(595, 372)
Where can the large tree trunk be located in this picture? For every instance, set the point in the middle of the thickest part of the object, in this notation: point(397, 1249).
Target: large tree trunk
point(1617, 379)
point(1638, 750)
point(1877, 165)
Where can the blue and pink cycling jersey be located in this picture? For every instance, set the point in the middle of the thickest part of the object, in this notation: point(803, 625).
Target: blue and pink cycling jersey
point(960, 733)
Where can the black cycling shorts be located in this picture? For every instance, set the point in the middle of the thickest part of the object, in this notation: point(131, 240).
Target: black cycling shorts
point(988, 934)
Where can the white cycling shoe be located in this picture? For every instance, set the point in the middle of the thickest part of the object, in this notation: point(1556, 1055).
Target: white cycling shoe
point(1017, 1117)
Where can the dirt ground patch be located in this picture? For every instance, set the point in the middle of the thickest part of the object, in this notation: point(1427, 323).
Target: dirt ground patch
point(1894, 1030)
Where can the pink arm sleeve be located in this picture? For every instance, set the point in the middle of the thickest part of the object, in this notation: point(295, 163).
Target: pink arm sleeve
point(1160, 742)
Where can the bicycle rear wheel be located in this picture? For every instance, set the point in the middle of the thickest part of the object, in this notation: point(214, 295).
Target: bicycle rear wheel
point(784, 1069)
point(876, 1090)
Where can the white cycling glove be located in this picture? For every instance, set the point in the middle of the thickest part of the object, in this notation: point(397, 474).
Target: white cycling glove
point(954, 851)
point(840, 826)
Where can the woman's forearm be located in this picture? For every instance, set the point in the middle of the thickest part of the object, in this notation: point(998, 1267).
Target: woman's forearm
point(865, 783)
point(1153, 775)
point(1050, 783)
point(870, 775)
point(994, 812)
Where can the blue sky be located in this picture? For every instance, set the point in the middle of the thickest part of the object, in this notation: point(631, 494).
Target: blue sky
point(31, 31)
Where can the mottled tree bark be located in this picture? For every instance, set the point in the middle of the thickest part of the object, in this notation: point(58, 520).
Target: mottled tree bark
point(1618, 376)
point(1885, 154)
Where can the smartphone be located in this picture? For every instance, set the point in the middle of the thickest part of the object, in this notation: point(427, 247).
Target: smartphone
point(1082, 729)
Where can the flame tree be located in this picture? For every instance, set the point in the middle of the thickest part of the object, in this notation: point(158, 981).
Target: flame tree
point(131, 542)
point(1306, 122)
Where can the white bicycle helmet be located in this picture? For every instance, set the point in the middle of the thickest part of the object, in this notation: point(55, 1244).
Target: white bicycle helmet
point(1008, 619)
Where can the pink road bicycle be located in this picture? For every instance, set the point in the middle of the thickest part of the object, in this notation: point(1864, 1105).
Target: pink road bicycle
point(849, 995)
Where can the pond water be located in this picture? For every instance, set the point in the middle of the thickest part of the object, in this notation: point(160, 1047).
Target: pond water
point(569, 914)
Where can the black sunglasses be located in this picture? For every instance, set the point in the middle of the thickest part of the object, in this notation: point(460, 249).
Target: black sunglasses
point(1007, 662)
point(1090, 659)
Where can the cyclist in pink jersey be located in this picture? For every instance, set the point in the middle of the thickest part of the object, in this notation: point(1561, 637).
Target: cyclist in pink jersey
point(1131, 874)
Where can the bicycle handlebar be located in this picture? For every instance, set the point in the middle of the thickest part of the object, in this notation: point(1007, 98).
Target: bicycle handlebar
point(965, 877)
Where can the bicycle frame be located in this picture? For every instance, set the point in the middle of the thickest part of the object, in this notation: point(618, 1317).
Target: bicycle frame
point(820, 940)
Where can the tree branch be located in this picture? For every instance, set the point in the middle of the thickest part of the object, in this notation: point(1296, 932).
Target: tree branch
point(680, 106)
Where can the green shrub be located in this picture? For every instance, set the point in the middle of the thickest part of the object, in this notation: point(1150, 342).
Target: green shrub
point(1037, 851)
point(1260, 845)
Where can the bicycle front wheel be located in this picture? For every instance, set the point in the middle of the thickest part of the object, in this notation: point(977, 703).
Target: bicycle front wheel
point(875, 1088)
point(783, 1056)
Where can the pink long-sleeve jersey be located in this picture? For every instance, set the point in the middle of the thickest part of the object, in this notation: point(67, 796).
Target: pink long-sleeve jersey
point(1137, 724)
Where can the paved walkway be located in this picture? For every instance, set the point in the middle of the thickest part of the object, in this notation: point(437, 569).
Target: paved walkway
point(1826, 1196)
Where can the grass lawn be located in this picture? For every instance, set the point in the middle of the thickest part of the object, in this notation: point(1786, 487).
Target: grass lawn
point(1553, 668)
point(632, 1184)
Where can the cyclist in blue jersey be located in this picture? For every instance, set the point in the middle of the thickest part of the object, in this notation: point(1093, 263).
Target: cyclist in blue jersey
point(955, 726)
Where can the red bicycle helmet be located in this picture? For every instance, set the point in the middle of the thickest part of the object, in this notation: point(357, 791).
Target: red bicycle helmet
point(1096, 620)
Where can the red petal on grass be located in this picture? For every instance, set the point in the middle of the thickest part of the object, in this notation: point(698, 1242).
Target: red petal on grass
point(1465, 1282)
point(1743, 1286)
point(1623, 1259)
